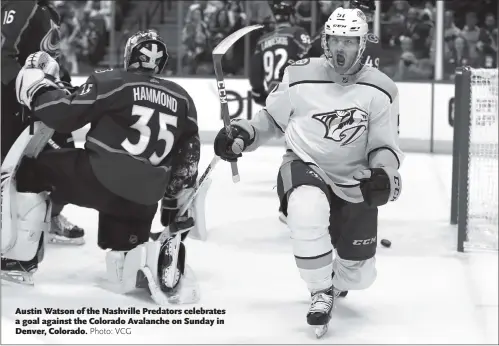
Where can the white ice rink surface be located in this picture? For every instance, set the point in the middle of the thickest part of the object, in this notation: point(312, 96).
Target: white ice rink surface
point(425, 291)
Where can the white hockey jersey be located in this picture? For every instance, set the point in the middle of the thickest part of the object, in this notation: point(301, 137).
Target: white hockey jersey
point(339, 125)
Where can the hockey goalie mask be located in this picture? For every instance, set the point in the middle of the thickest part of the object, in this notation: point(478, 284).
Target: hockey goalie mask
point(344, 39)
point(145, 51)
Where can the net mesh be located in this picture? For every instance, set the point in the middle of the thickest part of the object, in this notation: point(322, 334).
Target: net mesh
point(482, 230)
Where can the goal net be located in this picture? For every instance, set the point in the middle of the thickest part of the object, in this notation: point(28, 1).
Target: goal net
point(476, 147)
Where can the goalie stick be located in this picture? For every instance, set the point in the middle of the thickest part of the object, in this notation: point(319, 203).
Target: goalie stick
point(218, 54)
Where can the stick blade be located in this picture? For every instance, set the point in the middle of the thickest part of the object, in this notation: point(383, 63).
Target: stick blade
point(227, 42)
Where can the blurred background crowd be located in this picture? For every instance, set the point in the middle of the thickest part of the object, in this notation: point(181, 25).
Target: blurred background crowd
point(94, 33)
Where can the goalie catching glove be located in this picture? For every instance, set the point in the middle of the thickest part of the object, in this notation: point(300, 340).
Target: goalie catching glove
point(229, 148)
point(43, 61)
point(40, 73)
point(379, 185)
point(29, 83)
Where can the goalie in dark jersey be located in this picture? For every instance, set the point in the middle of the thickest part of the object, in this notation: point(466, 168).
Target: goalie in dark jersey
point(143, 147)
point(276, 50)
point(29, 26)
point(372, 54)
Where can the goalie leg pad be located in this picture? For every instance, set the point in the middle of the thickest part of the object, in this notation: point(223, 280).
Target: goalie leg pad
point(144, 261)
point(20, 241)
point(25, 216)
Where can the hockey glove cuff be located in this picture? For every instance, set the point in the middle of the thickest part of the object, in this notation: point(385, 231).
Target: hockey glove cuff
point(379, 185)
point(243, 135)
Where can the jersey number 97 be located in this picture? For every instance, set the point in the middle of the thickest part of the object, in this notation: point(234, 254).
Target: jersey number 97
point(142, 125)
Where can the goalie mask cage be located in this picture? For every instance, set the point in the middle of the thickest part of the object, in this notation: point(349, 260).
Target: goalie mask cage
point(474, 200)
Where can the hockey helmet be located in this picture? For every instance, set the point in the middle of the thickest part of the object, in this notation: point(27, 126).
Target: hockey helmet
point(145, 51)
point(345, 22)
point(282, 10)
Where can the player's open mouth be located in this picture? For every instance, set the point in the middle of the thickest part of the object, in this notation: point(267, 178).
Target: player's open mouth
point(340, 59)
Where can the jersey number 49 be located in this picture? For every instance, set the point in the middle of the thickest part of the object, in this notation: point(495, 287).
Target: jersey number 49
point(142, 125)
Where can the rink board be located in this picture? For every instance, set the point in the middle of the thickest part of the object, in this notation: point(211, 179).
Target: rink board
point(426, 111)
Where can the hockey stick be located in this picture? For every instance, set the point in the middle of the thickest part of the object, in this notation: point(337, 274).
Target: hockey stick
point(218, 54)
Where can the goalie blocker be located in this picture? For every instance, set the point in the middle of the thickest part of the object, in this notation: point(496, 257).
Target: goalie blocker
point(120, 174)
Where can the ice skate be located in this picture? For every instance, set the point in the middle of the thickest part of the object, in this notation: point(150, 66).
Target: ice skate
point(319, 313)
point(19, 272)
point(64, 232)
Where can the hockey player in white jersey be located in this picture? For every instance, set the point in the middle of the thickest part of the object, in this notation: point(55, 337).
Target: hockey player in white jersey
point(339, 119)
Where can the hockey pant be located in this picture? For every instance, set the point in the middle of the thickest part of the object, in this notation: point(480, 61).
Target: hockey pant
point(321, 223)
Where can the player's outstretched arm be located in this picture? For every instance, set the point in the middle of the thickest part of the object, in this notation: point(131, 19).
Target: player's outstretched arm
point(268, 123)
point(16, 17)
point(67, 113)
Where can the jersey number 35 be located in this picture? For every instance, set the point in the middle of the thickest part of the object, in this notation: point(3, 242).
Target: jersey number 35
point(142, 125)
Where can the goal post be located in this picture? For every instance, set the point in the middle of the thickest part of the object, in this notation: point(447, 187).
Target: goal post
point(474, 196)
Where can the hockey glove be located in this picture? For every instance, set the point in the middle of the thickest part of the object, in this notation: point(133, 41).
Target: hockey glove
point(379, 185)
point(29, 83)
point(229, 149)
point(44, 62)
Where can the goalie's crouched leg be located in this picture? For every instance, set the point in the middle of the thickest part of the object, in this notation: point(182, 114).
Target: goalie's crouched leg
point(160, 263)
point(25, 218)
point(25, 215)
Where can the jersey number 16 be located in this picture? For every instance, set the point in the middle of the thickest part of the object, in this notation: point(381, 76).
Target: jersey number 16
point(142, 125)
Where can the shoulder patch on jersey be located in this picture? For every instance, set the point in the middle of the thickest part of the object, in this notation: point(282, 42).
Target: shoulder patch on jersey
point(372, 38)
point(302, 62)
point(104, 70)
point(85, 89)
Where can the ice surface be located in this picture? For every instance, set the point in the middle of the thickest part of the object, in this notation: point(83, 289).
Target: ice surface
point(425, 291)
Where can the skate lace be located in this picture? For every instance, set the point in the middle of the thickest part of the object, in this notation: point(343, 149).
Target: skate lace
point(321, 302)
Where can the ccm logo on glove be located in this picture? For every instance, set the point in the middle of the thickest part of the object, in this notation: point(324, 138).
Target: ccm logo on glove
point(379, 185)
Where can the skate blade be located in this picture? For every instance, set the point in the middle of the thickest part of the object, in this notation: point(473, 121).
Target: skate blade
point(60, 240)
point(320, 331)
point(25, 279)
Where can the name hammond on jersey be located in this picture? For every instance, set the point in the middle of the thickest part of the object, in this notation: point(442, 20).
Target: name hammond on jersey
point(156, 96)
